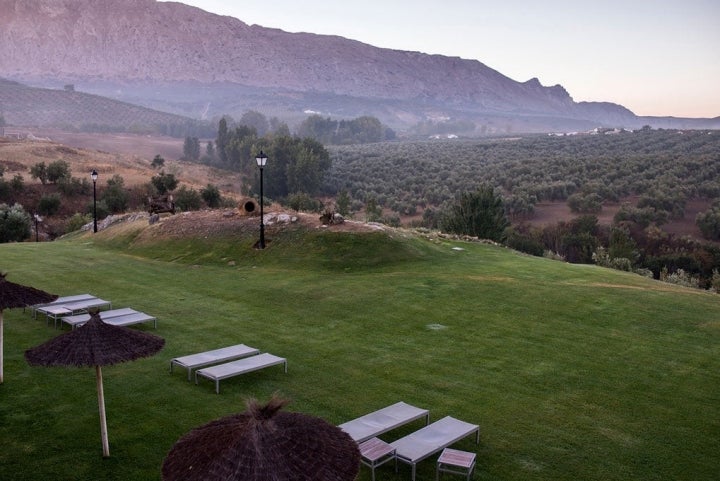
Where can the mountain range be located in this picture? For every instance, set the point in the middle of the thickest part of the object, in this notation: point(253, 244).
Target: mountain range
point(180, 59)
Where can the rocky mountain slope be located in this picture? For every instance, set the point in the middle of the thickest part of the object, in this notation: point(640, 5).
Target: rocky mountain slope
point(172, 56)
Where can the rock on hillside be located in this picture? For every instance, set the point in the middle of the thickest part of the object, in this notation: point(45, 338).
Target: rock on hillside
point(145, 42)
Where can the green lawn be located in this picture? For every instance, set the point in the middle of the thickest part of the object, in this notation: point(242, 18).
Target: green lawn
point(572, 372)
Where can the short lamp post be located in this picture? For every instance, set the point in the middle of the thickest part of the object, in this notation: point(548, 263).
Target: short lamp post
point(94, 176)
point(38, 219)
point(261, 161)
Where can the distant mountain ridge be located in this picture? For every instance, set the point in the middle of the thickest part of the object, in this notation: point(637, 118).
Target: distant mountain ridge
point(149, 52)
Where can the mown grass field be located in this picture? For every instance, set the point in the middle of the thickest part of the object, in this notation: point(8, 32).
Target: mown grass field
point(573, 372)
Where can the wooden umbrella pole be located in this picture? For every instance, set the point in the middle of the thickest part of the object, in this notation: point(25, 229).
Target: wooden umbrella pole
point(101, 404)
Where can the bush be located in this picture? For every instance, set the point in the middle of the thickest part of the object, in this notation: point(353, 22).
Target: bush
point(164, 183)
point(187, 199)
point(524, 242)
point(58, 171)
point(101, 207)
point(709, 223)
point(480, 213)
point(15, 223)
point(17, 183)
point(303, 202)
point(211, 196)
point(114, 196)
point(77, 221)
point(49, 204)
point(73, 186)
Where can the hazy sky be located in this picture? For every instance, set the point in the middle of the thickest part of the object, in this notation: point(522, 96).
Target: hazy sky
point(655, 57)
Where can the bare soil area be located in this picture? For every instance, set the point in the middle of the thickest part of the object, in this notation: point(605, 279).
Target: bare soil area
point(547, 213)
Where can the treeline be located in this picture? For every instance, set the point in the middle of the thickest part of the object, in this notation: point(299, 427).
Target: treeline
point(322, 129)
point(361, 130)
point(295, 165)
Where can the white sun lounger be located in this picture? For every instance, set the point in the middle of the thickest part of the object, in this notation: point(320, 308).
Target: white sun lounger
point(62, 300)
point(130, 319)
point(80, 319)
point(57, 311)
point(241, 366)
point(431, 439)
point(115, 317)
point(383, 420)
point(216, 356)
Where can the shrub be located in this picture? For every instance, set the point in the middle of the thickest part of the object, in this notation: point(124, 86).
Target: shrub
point(709, 222)
point(682, 278)
point(73, 186)
point(480, 213)
point(303, 202)
point(524, 242)
point(57, 171)
point(101, 208)
point(211, 196)
point(114, 196)
point(39, 171)
point(187, 199)
point(164, 183)
point(15, 223)
point(17, 183)
point(77, 221)
point(49, 204)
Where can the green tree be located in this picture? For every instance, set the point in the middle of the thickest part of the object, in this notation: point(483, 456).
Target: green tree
point(15, 223)
point(373, 212)
point(187, 199)
point(222, 140)
point(49, 204)
point(115, 196)
point(709, 222)
point(255, 120)
point(164, 183)
point(343, 203)
point(57, 171)
point(210, 150)
point(39, 171)
point(480, 213)
point(191, 148)
point(158, 162)
point(211, 196)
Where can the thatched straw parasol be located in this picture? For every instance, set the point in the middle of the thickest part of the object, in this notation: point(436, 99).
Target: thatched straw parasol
point(15, 295)
point(95, 344)
point(263, 444)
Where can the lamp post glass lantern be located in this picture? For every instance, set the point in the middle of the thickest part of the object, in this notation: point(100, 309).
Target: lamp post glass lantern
point(261, 160)
point(94, 176)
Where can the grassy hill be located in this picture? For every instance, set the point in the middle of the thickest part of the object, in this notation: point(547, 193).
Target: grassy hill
point(573, 372)
point(24, 106)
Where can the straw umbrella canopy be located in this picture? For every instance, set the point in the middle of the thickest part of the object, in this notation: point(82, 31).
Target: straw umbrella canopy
point(95, 344)
point(264, 444)
point(16, 295)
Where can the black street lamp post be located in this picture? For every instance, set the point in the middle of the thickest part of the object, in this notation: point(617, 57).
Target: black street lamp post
point(94, 176)
point(261, 160)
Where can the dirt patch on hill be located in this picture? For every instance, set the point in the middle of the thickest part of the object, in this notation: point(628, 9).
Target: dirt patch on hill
point(222, 222)
point(548, 213)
